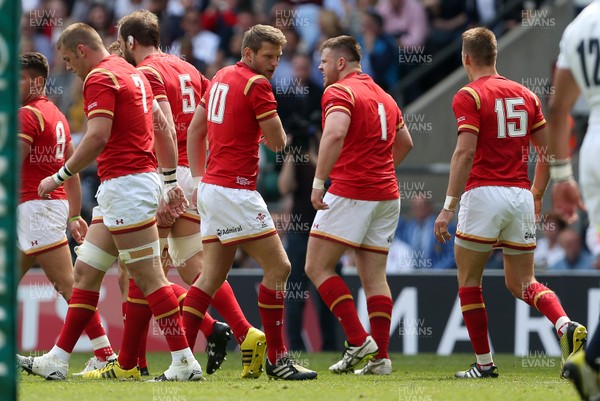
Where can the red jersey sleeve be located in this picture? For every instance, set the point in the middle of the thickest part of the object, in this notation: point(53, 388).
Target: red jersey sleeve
point(260, 94)
point(99, 94)
point(466, 105)
point(205, 82)
point(337, 97)
point(31, 124)
point(400, 120)
point(157, 83)
point(539, 121)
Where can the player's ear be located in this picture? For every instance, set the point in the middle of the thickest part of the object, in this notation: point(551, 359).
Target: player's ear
point(246, 53)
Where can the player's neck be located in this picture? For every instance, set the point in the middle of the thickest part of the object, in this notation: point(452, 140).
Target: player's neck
point(33, 97)
point(145, 52)
point(344, 73)
point(482, 72)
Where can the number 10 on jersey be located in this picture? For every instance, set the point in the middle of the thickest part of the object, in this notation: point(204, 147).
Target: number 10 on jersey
point(216, 103)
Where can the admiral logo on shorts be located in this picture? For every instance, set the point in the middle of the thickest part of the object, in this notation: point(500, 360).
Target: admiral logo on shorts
point(529, 236)
point(228, 230)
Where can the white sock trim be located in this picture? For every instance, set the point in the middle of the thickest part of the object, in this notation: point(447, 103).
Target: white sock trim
point(60, 354)
point(100, 342)
point(560, 323)
point(484, 359)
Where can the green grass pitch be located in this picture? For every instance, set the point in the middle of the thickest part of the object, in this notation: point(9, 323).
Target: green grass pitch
point(424, 377)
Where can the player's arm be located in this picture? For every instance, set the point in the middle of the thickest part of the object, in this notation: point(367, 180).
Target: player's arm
point(77, 226)
point(24, 149)
point(165, 107)
point(334, 132)
point(93, 142)
point(542, 168)
point(565, 192)
point(165, 143)
point(196, 144)
point(403, 144)
point(274, 133)
point(460, 167)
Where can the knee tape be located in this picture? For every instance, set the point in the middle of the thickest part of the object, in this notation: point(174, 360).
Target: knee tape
point(96, 257)
point(148, 251)
point(183, 248)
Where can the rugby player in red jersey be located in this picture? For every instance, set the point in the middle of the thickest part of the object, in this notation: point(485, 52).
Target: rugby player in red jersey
point(497, 119)
point(364, 139)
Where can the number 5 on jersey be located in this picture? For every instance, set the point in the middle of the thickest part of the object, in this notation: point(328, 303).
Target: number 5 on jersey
point(216, 103)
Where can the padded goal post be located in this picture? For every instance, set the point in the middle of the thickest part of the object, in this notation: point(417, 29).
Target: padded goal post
point(10, 17)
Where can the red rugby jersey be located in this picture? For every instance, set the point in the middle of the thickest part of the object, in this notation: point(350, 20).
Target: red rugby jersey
point(365, 167)
point(236, 101)
point(503, 114)
point(117, 90)
point(182, 85)
point(46, 130)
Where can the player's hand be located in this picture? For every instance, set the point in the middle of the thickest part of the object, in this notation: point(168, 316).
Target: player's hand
point(174, 193)
point(566, 199)
point(166, 215)
point(316, 197)
point(537, 206)
point(78, 229)
point(194, 202)
point(46, 186)
point(440, 229)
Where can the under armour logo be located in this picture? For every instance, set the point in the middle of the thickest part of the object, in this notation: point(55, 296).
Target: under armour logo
point(34, 243)
point(119, 221)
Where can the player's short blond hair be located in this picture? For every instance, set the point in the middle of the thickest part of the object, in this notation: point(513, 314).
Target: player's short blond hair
point(481, 45)
point(345, 46)
point(79, 34)
point(258, 34)
point(142, 25)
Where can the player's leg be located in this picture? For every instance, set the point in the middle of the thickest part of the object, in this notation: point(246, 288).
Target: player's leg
point(480, 226)
point(518, 239)
point(297, 243)
point(58, 267)
point(95, 256)
point(271, 256)
point(371, 261)
point(185, 249)
point(343, 225)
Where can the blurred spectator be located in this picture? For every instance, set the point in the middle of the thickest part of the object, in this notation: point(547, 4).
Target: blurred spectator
point(125, 7)
point(399, 258)
point(100, 18)
point(548, 250)
point(448, 20)
point(417, 232)
point(281, 78)
point(379, 51)
point(405, 20)
point(576, 257)
point(198, 46)
point(352, 19)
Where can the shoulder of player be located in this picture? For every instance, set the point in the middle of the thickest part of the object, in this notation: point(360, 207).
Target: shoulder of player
point(254, 81)
point(100, 74)
point(34, 112)
point(151, 71)
point(337, 87)
point(472, 91)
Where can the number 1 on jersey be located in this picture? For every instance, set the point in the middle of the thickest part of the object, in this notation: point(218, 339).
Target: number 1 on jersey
point(382, 121)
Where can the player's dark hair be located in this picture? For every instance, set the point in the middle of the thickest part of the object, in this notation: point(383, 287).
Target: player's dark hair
point(141, 25)
point(79, 34)
point(258, 34)
point(480, 44)
point(345, 46)
point(36, 63)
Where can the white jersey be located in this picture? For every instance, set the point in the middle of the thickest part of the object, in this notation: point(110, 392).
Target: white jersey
point(580, 53)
